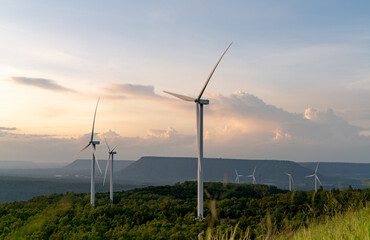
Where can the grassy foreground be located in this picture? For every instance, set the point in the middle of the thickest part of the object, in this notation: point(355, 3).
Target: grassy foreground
point(351, 225)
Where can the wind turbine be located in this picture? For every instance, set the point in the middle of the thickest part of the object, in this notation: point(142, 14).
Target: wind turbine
point(316, 177)
point(110, 162)
point(252, 176)
point(199, 116)
point(237, 176)
point(291, 182)
point(93, 145)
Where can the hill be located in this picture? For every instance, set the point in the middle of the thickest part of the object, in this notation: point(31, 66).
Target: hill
point(83, 164)
point(22, 189)
point(78, 169)
point(169, 170)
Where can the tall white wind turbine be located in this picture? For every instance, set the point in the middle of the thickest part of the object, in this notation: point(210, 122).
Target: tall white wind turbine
point(199, 116)
point(291, 181)
point(237, 180)
point(316, 177)
point(93, 145)
point(110, 164)
point(252, 176)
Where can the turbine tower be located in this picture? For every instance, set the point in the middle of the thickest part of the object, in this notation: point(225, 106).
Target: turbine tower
point(199, 116)
point(93, 145)
point(110, 163)
point(316, 177)
point(291, 182)
point(237, 176)
point(252, 176)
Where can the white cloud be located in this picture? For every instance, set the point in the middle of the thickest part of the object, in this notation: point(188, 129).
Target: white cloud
point(238, 125)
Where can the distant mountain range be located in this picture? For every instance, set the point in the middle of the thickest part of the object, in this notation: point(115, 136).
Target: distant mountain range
point(169, 170)
point(78, 169)
point(83, 164)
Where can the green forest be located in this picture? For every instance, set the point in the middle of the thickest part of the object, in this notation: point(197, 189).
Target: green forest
point(168, 212)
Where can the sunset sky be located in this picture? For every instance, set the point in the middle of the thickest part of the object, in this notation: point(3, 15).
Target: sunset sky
point(294, 85)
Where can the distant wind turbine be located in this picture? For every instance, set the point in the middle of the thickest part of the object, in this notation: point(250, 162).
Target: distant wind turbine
point(93, 144)
point(237, 180)
point(199, 115)
point(110, 163)
point(316, 177)
point(291, 182)
point(252, 176)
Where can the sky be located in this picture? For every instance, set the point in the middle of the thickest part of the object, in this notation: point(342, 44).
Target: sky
point(295, 84)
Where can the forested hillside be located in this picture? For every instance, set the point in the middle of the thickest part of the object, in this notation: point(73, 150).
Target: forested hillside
point(168, 212)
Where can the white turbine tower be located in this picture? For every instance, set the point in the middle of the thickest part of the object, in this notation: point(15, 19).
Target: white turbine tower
point(199, 115)
point(252, 176)
point(110, 163)
point(93, 144)
point(237, 176)
point(316, 177)
point(291, 182)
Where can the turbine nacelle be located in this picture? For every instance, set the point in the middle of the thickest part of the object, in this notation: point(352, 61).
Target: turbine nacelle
point(202, 101)
point(113, 153)
point(95, 142)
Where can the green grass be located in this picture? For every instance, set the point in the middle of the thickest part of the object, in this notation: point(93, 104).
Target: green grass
point(351, 225)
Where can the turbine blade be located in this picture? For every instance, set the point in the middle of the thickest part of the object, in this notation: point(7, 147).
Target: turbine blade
point(92, 131)
point(83, 148)
point(318, 180)
point(311, 175)
point(106, 169)
point(214, 69)
point(116, 146)
point(254, 170)
point(182, 97)
point(105, 140)
point(249, 176)
point(97, 162)
point(317, 166)
point(292, 181)
point(236, 172)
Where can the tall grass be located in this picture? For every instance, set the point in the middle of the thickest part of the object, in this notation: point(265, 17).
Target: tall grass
point(350, 225)
point(353, 224)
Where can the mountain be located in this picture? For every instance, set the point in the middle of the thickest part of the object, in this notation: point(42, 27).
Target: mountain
point(341, 169)
point(169, 170)
point(78, 169)
point(83, 164)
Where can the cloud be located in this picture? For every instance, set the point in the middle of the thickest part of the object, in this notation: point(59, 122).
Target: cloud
point(41, 83)
point(123, 91)
point(8, 129)
point(239, 125)
point(312, 125)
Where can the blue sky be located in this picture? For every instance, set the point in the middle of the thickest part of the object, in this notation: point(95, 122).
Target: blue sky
point(309, 59)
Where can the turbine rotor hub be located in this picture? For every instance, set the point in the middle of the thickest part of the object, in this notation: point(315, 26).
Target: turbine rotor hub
point(202, 101)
